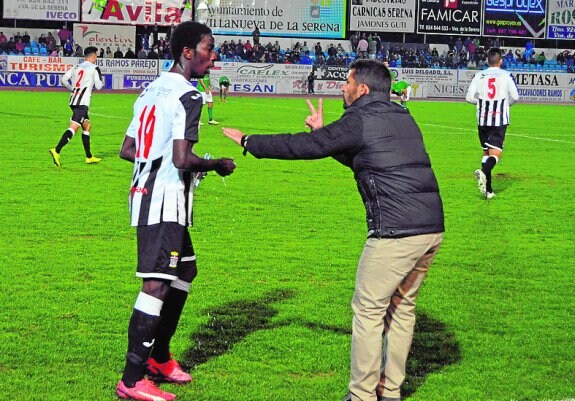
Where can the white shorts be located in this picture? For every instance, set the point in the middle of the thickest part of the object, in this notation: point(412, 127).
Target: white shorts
point(207, 97)
point(408, 90)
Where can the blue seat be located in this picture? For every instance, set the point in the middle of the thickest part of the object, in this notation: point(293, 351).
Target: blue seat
point(43, 51)
point(27, 51)
point(35, 50)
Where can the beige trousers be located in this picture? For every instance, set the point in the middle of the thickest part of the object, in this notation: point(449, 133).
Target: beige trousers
point(389, 275)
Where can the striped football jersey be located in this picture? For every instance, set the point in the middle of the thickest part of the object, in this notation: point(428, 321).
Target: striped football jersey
point(168, 109)
point(493, 90)
point(80, 80)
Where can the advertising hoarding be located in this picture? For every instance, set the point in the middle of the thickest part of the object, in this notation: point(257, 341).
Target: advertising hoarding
point(50, 10)
point(449, 17)
point(102, 36)
point(382, 15)
point(561, 19)
point(133, 12)
point(514, 18)
point(297, 18)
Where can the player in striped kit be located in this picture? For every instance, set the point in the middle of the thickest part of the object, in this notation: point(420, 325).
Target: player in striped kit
point(493, 90)
point(159, 141)
point(80, 80)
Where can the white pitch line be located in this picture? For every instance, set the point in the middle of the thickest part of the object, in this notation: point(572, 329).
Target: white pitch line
point(542, 139)
point(107, 116)
point(536, 138)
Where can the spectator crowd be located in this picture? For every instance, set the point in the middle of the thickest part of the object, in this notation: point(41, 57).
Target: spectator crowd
point(461, 52)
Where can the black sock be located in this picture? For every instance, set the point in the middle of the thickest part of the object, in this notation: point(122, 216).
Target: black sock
point(66, 137)
point(141, 334)
point(170, 315)
point(486, 168)
point(86, 143)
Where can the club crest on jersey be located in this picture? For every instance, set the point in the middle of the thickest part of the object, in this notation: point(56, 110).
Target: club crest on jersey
point(174, 257)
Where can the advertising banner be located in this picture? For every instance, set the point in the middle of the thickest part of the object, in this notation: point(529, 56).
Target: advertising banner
point(129, 66)
point(532, 86)
point(382, 15)
point(50, 10)
point(445, 90)
point(425, 75)
point(103, 36)
point(63, 64)
point(133, 12)
point(449, 17)
point(514, 18)
point(263, 78)
point(40, 63)
point(296, 18)
point(281, 79)
point(40, 80)
point(137, 82)
point(561, 19)
point(261, 73)
point(331, 73)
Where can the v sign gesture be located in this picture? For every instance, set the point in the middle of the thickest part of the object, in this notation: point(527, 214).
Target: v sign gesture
point(315, 121)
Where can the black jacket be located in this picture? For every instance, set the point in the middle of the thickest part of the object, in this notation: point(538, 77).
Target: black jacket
point(382, 144)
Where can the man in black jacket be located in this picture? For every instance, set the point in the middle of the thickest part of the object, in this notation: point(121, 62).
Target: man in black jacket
point(382, 144)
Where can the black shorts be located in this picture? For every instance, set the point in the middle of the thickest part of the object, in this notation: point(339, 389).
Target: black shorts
point(164, 251)
point(492, 137)
point(225, 84)
point(79, 114)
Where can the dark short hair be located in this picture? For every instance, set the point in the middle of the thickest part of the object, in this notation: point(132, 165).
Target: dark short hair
point(90, 50)
point(372, 73)
point(493, 56)
point(187, 34)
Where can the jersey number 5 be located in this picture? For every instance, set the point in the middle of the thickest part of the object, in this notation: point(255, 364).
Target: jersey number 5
point(492, 88)
point(146, 131)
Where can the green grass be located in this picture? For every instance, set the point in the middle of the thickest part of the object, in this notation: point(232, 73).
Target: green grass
point(269, 316)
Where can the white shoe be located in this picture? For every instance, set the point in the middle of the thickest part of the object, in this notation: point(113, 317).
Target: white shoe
point(213, 122)
point(489, 195)
point(481, 181)
point(201, 123)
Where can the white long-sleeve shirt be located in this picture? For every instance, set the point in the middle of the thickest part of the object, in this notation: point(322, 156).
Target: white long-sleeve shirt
point(80, 80)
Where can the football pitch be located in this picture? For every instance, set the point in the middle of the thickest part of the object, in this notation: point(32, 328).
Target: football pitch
point(277, 242)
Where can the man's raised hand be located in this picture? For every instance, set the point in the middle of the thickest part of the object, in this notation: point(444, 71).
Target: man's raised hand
point(315, 121)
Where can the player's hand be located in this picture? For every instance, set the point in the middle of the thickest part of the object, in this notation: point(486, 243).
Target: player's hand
point(234, 134)
point(225, 167)
point(315, 121)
